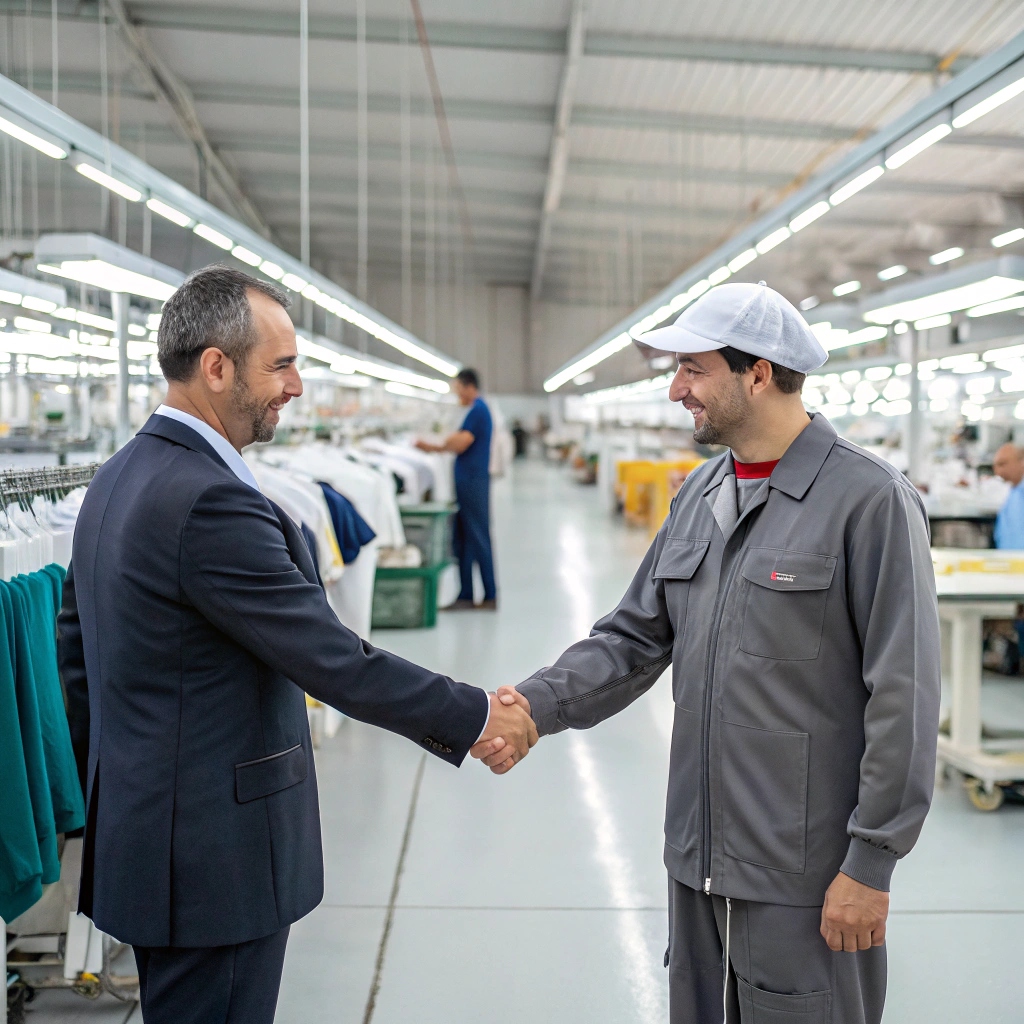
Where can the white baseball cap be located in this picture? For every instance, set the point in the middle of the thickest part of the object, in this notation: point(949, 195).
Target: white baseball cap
point(752, 318)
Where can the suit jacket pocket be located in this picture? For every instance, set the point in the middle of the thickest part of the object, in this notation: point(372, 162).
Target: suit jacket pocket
point(271, 774)
point(764, 796)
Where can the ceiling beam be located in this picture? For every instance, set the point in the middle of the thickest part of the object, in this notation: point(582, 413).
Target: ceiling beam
point(169, 88)
point(559, 155)
point(582, 167)
point(262, 96)
point(504, 38)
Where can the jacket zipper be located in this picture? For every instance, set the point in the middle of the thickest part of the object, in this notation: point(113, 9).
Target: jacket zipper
point(709, 678)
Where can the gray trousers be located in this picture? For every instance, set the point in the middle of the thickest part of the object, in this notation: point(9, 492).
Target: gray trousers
point(782, 971)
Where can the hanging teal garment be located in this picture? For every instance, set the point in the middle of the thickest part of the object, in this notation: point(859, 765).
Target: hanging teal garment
point(31, 732)
point(45, 591)
point(21, 868)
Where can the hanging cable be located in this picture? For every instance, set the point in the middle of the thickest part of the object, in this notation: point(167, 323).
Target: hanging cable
point(362, 142)
point(304, 131)
point(58, 213)
point(104, 115)
point(405, 130)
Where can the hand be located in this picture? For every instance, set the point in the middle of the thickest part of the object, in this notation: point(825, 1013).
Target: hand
point(853, 916)
point(509, 735)
point(425, 446)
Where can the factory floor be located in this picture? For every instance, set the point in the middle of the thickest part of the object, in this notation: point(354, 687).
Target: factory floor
point(457, 896)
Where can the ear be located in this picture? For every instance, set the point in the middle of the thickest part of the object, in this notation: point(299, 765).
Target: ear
point(762, 371)
point(217, 370)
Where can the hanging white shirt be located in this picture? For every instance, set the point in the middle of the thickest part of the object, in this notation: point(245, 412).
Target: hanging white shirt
point(220, 444)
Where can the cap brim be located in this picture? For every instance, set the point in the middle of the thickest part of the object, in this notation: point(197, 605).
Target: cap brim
point(674, 338)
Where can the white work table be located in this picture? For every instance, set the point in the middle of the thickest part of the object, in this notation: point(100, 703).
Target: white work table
point(966, 599)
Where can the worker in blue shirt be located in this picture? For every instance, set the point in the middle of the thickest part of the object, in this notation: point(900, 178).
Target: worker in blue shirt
point(1009, 465)
point(471, 444)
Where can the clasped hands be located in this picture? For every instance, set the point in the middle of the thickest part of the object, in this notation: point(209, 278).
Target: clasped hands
point(509, 734)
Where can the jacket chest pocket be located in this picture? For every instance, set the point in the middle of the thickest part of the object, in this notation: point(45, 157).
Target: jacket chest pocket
point(676, 565)
point(784, 609)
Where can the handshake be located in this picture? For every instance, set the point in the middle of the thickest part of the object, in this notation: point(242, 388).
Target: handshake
point(509, 734)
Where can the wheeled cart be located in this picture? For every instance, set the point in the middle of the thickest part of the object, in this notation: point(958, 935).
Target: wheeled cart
point(973, 586)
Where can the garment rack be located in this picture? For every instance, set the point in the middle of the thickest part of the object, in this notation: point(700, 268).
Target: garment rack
point(54, 482)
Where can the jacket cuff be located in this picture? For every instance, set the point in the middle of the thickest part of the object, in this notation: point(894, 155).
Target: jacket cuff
point(868, 864)
point(543, 705)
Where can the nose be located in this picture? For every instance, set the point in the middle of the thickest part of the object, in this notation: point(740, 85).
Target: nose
point(293, 385)
point(678, 389)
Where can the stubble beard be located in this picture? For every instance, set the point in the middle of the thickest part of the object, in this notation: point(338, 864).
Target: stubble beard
point(250, 407)
point(722, 417)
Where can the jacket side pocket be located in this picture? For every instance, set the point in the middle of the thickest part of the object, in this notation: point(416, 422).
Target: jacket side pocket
point(271, 774)
point(764, 796)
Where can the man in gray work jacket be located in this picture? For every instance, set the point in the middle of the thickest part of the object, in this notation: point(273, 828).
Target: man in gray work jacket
point(791, 588)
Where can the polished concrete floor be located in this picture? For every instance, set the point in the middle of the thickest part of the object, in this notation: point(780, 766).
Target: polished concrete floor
point(457, 896)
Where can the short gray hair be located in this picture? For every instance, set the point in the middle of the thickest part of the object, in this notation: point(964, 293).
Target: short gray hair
point(210, 310)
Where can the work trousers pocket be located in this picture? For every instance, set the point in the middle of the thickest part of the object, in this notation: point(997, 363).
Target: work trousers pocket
point(760, 1007)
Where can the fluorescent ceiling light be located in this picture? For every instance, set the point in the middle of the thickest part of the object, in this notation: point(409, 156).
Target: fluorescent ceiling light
point(809, 216)
point(294, 283)
point(14, 298)
point(311, 292)
point(314, 351)
point(997, 99)
point(346, 364)
point(901, 328)
point(769, 242)
point(397, 387)
point(846, 288)
point(608, 349)
point(26, 323)
point(719, 275)
point(946, 256)
point(810, 302)
point(697, 289)
point(35, 343)
point(183, 220)
point(890, 272)
point(213, 236)
point(272, 270)
point(16, 131)
point(121, 188)
point(137, 330)
point(739, 262)
point(101, 274)
point(1003, 277)
point(627, 391)
point(939, 320)
point(586, 378)
point(39, 305)
point(832, 338)
point(1008, 237)
point(919, 145)
point(246, 256)
point(999, 306)
point(345, 380)
point(102, 323)
point(851, 188)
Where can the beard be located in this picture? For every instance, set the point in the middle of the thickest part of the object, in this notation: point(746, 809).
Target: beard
point(722, 415)
point(251, 409)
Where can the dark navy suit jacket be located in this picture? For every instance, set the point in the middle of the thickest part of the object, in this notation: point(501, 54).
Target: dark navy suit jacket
point(192, 624)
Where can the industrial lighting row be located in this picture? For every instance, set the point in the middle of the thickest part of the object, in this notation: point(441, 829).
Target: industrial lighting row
point(906, 152)
point(114, 278)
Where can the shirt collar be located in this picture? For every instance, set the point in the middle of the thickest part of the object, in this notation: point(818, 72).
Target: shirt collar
point(218, 442)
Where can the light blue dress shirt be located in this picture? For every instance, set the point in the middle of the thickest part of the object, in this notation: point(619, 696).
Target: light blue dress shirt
point(220, 444)
point(1010, 521)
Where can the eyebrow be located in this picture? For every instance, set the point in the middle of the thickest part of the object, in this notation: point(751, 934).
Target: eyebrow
point(284, 361)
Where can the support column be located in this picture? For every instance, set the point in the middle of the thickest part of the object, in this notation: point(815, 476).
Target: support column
point(124, 426)
point(915, 422)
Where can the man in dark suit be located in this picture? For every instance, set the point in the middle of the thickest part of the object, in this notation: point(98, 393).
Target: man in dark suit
point(192, 624)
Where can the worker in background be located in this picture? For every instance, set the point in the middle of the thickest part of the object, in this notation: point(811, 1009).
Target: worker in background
point(471, 444)
point(1008, 465)
point(791, 589)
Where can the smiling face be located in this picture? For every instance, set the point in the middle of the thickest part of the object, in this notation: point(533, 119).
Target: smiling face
point(267, 379)
point(714, 395)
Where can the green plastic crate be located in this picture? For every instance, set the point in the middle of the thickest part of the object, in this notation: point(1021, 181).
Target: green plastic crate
point(429, 527)
point(406, 598)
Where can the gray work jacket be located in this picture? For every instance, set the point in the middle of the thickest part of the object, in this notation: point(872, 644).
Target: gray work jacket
point(805, 656)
